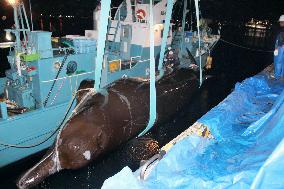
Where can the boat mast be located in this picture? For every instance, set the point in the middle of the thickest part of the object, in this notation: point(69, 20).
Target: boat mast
point(21, 27)
point(31, 14)
point(16, 31)
point(24, 27)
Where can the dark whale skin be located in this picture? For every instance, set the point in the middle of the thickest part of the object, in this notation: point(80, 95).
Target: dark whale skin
point(106, 121)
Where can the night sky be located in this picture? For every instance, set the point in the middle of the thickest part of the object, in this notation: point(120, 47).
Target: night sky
point(241, 10)
point(233, 10)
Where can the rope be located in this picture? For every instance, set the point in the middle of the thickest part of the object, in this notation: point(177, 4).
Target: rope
point(46, 139)
point(53, 133)
point(247, 48)
point(56, 77)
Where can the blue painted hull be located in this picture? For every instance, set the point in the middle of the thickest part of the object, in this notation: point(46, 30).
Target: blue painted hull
point(29, 129)
point(35, 126)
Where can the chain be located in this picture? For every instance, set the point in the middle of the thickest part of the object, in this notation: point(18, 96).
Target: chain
point(56, 77)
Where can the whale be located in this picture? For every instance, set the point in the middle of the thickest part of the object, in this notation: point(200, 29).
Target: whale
point(103, 121)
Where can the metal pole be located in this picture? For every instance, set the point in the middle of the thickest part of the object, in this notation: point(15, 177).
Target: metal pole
point(199, 42)
point(153, 112)
point(170, 5)
point(17, 28)
point(26, 18)
point(190, 5)
point(22, 24)
point(183, 26)
point(103, 25)
point(31, 13)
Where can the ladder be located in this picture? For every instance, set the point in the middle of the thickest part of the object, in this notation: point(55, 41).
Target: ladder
point(112, 30)
point(111, 36)
point(113, 47)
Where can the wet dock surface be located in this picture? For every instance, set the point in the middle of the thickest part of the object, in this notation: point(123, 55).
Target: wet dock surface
point(230, 65)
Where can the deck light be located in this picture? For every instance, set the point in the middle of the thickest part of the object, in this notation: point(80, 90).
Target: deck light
point(8, 35)
point(13, 2)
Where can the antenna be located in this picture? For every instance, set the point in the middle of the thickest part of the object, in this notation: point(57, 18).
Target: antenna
point(31, 13)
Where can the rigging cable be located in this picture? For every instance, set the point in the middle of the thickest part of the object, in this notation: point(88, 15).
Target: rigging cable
point(183, 26)
point(191, 22)
point(54, 132)
point(31, 15)
point(243, 47)
point(46, 139)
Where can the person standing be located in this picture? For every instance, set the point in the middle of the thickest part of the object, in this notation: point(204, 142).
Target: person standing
point(279, 51)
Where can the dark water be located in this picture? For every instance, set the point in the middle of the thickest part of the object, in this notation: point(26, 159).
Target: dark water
point(230, 65)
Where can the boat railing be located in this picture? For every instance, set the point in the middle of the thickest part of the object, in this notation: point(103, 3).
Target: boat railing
point(70, 50)
point(58, 51)
point(134, 60)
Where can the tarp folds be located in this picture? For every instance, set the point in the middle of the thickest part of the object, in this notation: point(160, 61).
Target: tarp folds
point(247, 152)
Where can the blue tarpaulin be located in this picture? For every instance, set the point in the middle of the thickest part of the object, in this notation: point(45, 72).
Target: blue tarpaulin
point(247, 152)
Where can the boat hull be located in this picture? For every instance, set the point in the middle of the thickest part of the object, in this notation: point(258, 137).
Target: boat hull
point(29, 129)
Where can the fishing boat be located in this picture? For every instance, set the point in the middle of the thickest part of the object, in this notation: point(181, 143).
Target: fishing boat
point(40, 88)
